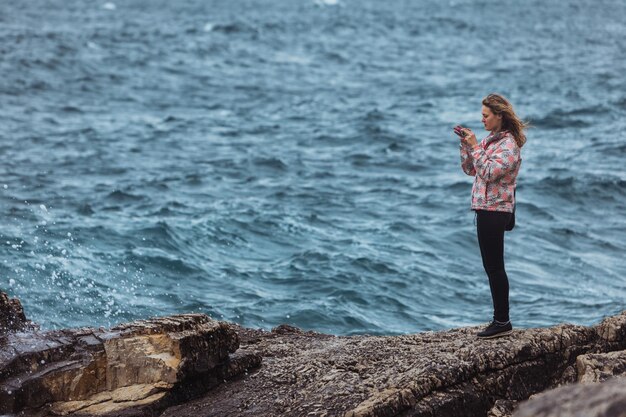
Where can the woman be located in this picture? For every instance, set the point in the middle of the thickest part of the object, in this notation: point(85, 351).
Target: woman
point(494, 163)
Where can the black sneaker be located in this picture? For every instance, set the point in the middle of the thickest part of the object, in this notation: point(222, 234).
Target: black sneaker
point(496, 329)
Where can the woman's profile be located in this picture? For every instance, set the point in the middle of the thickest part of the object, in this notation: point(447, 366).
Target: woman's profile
point(494, 163)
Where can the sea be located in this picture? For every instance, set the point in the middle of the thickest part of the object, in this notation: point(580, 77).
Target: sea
point(272, 162)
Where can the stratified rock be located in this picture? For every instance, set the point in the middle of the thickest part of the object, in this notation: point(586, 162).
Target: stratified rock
point(200, 367)
point(12, 316)
point(448, 373)
point(132, 369)
point(607, 399)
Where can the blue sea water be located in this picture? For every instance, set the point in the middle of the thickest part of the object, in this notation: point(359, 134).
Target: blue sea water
point(292, 161)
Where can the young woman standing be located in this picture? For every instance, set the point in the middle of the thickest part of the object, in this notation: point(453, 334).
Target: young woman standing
point(494, 163)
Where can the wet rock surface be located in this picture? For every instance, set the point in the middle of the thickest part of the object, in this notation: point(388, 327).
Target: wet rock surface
point(134, 369)
point(190, 365)
point(12, 315)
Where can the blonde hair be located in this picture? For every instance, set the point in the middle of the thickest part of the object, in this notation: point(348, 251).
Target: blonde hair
point(510, 121)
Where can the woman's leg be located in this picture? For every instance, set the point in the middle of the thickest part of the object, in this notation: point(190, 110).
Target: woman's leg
point(490, 230)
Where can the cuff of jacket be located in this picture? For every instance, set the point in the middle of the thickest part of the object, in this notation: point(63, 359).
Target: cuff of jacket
point(476, 151)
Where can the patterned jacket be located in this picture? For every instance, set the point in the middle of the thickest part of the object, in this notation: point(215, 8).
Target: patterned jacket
point(494, 164)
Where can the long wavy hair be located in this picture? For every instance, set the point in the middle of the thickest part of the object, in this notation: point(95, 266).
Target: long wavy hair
point(510, 121)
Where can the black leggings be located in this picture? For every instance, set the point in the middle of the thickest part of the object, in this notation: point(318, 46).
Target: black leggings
point(490, 229)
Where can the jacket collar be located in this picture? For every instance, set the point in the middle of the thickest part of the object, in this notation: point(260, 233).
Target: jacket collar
point(496, 137)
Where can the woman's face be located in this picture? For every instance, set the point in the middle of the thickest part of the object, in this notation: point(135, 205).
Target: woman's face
point(491, 121)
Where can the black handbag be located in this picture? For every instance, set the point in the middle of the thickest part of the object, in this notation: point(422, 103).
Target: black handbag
point(511, 224)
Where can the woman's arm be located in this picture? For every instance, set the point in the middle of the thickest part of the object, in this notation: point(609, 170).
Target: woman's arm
point(504, 159)
point(467, 161)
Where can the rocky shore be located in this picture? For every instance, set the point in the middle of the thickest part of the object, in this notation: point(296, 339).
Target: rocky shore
point(191, 365)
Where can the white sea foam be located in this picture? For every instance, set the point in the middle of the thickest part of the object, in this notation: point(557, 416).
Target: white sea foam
point(284, 57)
point(109, 6)
point(208, 27)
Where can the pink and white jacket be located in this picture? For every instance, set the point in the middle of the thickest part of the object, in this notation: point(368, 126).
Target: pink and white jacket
point(494, 164)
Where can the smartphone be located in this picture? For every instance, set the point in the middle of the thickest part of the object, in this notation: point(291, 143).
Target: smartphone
point(458, 129)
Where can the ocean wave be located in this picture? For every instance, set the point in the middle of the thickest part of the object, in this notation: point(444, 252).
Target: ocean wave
point(85, 209)
point(258, 160)
point(584, 189)
point(535, 211)
point(233, 28)
point(621, 103)
point(375, 266)
point(120, 196)
point(570, 119)
point(273, 163)
point(162, 262)
point(223, 236)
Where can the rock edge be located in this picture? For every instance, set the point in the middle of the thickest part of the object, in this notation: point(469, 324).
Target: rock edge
point(190, 365)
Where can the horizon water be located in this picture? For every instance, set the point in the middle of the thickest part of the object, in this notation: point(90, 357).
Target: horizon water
point(275, 161)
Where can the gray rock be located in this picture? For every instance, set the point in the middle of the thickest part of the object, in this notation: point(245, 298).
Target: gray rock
point(607, 399)
point(448, 373)
point(190, 365)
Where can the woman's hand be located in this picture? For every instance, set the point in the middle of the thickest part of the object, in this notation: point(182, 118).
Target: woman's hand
point(469, 138)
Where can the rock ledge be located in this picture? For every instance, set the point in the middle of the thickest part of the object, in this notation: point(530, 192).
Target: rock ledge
point(133, 369)
point(191, 365)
